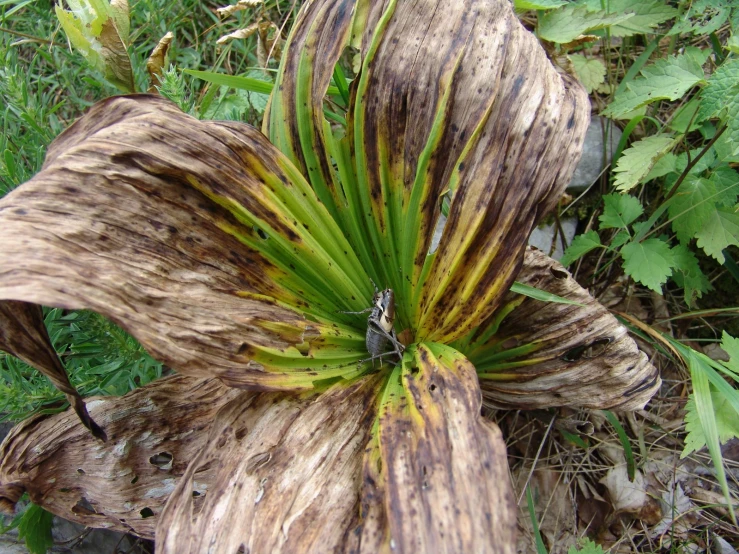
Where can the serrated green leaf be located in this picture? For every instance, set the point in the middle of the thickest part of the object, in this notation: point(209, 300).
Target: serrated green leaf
point(723, 84)
point(566, 24)
point(591, 72)
point(692, 206)
point(638, 160)
point(35, 529)
point(731, 346)
point(726, 181)
point(538, 4)
point(727, 423)
point(667, 79)
point(665, 165)
point(719, 231)
point(581, 245)
point(649, 262)
point(620, 210)
point(703, 17)
point(647, 16)
point(688, 275)
point(620, 238)
point(586, 547)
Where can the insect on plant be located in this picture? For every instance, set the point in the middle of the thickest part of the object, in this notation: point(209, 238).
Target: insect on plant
point(380, 326)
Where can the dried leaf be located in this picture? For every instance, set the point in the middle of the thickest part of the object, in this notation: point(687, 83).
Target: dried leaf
point(436, 473)
point(154, 432)
point(186, 241)
point(157, 62)
point(239, 6)
point(547, 354)
point(23, 334)
point(239, 34)
point(287, 475)
point(502, 134)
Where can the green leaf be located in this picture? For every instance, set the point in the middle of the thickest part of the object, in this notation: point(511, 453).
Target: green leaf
point(586, 547)
point(647, 16)
point(703, 17)
point(649, 262)
point(691, 207)
point(731, 346)
point(581, 245)
point(727, 423)
point(620, 210)
point(638, 160)
point(538, 4)
point(35, 529)
point(566, 24)
point(719, 231)
point(667, 79)
point(591, 72)
point(688, 275)
point(665, 165)
point(726, 181)
point(538, 294)
point(724, 83)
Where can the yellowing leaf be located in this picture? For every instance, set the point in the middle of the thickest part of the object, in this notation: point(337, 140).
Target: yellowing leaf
point(637, 161)
point(591, 72)
point(649, 262)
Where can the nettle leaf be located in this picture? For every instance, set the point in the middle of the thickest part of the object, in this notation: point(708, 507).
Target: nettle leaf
point(703, 17)
point(688, 275)
point(649, 262)
point(667, 79)
point(723, 83)
point(620, 210)
point(581, 245)
point(567, 24)
point(727, 423)
point(720, 230)
point(691, 207)
point(591, 72)
point(538, 4)
point(647, 15)
point(638, 160)
point(587, 547)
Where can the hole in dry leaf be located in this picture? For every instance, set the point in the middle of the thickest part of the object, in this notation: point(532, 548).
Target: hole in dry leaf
point(559, 273)
point(147, 512)
point(587, 351)
point(163, 460)
point(242, 549)
point(63, 490)
point(195, 494)
point(80, 471)
point(83, 507)
point(135, 479)
point(261, 233)
point(432, 387)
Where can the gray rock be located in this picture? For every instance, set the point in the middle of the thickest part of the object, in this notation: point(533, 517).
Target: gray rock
point(594, 156)
point(542, 236)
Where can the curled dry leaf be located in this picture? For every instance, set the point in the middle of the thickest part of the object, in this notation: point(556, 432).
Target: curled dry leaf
point(23, 334)
point(551, 354)
point(231, 257)
point(156, 63)
point(153, 434)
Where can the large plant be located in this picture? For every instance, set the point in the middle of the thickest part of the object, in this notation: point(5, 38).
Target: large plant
point(233, 256)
